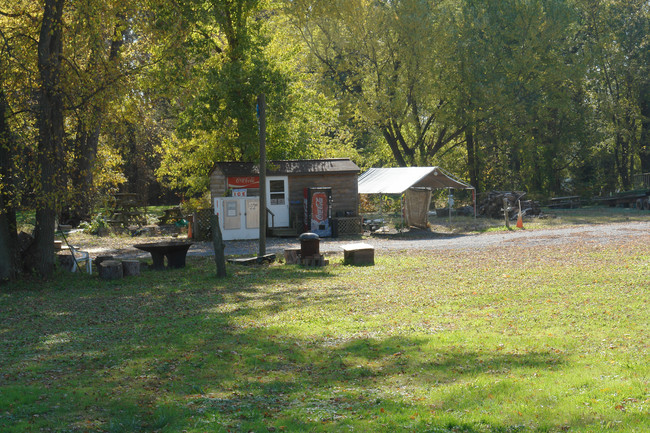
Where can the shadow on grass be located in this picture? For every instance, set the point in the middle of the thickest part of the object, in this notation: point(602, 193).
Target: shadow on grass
point(164, 352)
point(416, 234)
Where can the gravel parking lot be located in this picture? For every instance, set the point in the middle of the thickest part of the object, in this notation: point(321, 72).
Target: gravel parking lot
point(425, 240)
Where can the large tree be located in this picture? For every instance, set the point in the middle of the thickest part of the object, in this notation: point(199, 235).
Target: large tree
point(233, 51)
point(518, 70)
point(8, 239)
point(17, 125)
point(380, 60)
point(617, 35)
point(51, 133)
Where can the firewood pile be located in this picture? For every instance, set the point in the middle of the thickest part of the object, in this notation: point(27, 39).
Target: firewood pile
point(492, 205)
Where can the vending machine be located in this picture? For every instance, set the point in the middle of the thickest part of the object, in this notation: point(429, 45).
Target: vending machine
point(318, 211)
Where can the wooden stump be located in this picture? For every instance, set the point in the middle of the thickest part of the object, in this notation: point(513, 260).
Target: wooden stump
point(100, 259)
point(111, 270)
point(65, 261)
point(130, 268)
point(292, 256)
point(358, 254)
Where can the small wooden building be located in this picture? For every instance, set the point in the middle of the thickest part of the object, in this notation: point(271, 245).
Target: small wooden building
point(287, 182)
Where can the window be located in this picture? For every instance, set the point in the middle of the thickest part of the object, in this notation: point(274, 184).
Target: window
point(276, 192)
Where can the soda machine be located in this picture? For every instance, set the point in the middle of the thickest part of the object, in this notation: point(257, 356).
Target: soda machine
point(318, 211)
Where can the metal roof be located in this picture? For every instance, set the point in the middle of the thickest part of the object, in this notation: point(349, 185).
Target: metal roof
point(293, 167)
point(398, 179)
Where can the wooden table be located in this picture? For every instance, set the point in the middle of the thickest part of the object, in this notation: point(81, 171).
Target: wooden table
point(125, 211)
point(174, 251)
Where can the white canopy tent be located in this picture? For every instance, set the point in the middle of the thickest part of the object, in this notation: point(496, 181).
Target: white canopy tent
point(397, 180)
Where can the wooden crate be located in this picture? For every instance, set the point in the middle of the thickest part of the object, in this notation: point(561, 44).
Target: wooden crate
point(358, 254)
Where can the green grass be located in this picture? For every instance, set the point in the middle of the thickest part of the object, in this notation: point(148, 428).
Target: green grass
point(550, 339)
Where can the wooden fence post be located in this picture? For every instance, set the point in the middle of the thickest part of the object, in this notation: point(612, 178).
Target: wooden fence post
point(217, 242)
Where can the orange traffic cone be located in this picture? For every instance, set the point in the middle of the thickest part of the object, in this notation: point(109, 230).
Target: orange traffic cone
point(520, 222)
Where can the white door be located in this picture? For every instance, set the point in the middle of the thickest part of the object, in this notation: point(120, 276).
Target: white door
point(277, 201)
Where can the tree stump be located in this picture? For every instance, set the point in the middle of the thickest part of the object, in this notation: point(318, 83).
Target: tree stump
point(111, 270)
point(65, 261)
point(130, 268)
point(292, 256)
point(100, 259)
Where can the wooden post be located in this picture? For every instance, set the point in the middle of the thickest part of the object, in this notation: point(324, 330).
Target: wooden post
point(111, 270)
point(130, 268)
point(261, 115)
point(217, 243)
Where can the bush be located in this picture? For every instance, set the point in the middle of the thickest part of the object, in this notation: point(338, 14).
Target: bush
point(95, 225)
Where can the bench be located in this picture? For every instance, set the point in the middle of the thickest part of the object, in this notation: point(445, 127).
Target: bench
point(358, 254)
point(568, 202)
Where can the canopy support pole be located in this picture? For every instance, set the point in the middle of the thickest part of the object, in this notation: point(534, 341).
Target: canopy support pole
point(450, 201)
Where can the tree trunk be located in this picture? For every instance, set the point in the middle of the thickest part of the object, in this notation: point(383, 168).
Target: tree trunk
point(88, 132)
point(644, 145)
point(86, 144)
point(472, 157)
point(50, 125)
point(621, 154)
point(8, 235)
point(394, 147)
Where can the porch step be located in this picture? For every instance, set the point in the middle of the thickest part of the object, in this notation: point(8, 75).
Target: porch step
point(283, 232)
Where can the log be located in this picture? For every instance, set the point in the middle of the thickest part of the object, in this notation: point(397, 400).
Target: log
point(100, 259)
point(130, 268)
point(111, 270)
point(492, 204)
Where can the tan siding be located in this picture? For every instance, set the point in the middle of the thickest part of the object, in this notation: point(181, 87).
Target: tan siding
point(344, 190)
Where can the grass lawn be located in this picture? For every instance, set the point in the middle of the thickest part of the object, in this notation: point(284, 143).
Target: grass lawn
point(550, 339)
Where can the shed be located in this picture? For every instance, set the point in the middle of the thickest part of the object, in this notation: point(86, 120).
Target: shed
point(287, 184)
point(398, 180)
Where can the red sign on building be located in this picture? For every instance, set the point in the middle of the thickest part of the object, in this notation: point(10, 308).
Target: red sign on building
point(236, 182)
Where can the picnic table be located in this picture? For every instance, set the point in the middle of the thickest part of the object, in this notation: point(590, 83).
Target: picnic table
point(171, 216)
point(174, 251)
point(125, 211)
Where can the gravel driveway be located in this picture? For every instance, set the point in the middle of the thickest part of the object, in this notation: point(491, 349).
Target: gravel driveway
point(597, 234)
